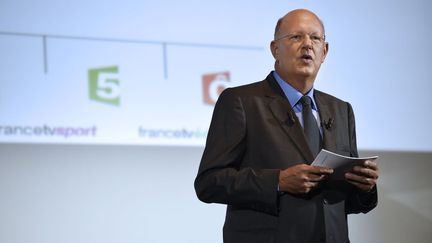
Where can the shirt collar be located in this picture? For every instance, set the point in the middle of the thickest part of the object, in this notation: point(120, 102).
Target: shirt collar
point(294, 95)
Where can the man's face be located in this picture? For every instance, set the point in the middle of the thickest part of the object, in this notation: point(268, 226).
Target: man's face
point(299, 47)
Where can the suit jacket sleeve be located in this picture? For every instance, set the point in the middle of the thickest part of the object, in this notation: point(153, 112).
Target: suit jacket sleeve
point(222, 176)
point(358, 201)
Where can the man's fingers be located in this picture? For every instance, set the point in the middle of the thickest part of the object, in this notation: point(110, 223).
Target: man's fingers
point(315, 177)
point(371, 173)
point(362, 186)
point(321, 170)
point(360, 179)
point(302, 178)
point(371, 164)
point(308, 186)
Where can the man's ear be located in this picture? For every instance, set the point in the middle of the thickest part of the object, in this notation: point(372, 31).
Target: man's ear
point(325, 50)
point(274, 49)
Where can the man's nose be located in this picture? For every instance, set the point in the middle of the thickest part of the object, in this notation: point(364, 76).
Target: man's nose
point(307, 42)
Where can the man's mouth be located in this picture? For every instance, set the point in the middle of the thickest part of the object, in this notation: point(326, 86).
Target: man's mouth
point(306, 57)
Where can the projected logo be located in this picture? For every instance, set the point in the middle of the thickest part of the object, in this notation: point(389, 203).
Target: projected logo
point(104, 85)
point(213, 85)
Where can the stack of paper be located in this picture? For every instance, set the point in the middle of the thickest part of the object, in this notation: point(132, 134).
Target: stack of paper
point(339, 163)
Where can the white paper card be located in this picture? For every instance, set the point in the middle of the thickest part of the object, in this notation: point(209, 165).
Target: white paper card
point(339, 163)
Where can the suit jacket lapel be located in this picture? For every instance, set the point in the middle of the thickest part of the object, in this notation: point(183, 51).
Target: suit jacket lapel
point(282, 111)
point(327, 120)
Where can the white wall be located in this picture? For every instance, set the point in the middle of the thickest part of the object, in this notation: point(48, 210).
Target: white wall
point(107, 194)
point(57, 193)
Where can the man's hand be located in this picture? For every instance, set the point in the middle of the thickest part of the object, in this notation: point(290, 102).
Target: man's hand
point(365, 176)
point(302, 178)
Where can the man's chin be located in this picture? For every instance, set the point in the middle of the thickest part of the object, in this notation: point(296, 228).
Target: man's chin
point(306, 72)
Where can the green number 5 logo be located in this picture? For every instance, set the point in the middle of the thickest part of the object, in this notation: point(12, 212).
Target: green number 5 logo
point(104, 85)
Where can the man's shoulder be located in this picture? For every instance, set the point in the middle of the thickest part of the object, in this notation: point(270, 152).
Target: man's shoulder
point(244, 93)
point(250, 87)
point(332, 103)
point(328, 97)
point(247, 90)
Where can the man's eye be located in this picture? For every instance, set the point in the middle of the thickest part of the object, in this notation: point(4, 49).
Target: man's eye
point(316, 38)
point(295, 37)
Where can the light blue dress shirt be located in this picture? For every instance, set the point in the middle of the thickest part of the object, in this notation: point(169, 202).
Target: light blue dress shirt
point(294, 97)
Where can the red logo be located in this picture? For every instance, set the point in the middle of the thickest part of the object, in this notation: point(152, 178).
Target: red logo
point(213, 85)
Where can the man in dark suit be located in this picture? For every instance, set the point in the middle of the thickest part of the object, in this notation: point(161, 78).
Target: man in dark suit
point(260, 146)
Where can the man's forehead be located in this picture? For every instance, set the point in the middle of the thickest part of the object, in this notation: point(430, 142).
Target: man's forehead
point(301, 13)
point(301, 19)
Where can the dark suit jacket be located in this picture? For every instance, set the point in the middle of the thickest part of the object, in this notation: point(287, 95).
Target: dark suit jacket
point(254, 134)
